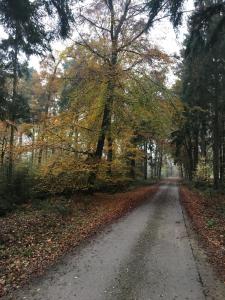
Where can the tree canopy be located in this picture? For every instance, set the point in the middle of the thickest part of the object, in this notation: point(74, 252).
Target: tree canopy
point(101, 112)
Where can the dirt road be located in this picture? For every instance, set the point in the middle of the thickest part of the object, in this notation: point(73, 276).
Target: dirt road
point(146, 255)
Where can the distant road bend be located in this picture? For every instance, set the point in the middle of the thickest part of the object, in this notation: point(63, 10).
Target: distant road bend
point(146, 255)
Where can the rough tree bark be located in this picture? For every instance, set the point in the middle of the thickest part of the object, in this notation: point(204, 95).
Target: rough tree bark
point(216, 144)
point(145, 160)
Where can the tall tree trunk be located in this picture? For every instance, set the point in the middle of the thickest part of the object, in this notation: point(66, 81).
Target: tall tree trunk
point(189, 167)
point(46, 111)
point(156, 162)
point(108, 105)
point(145, 160)
point(104, 130)
point(11, 151)
point(21, 145)
point(106, 119)
point(160, 163)
point(151, 163)
point(132, 168)
point(216, 144)
point(33, 142)
point(110, 152)
point(222, 154)
point(14, 100)
point(2, 153)
point(3, 148)
point(42, 128)
point(74, 129)
point(181, 171)
point(195, 151)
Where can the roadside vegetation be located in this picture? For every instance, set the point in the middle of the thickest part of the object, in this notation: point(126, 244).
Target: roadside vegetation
point(199, 142)
point(207, 212)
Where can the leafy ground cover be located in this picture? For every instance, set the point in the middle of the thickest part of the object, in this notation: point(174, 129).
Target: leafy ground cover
point(207, 212)
point(35, 236)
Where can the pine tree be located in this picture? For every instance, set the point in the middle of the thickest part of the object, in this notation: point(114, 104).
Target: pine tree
point(203, 80)
point(23, 22)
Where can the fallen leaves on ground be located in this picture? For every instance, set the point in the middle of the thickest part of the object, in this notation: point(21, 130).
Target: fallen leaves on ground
point(32, 239)
point(208, 217)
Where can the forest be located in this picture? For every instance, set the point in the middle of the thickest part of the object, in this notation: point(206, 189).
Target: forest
point(110, 111)
point(100, 113)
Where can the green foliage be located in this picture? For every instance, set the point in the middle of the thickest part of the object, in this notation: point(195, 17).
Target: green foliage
point(24, 21)
point(211, 223)
point(18, 190)
point(67, 176)
point(95, 116)
point(173, 8)
point(204, 171)
point(63, 176)
point(57, 205)
point(201, 134)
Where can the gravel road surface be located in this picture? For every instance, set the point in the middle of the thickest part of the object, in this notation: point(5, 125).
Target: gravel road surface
point(146, 255)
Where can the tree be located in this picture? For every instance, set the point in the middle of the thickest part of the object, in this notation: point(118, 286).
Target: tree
point(203, 81)
point(23, 21)
point(117, 37)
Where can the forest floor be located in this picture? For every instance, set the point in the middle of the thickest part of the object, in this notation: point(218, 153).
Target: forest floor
point(207, 212)
point(36, 235)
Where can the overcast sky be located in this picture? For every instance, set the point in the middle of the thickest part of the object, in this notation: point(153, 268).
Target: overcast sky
point(162, 35)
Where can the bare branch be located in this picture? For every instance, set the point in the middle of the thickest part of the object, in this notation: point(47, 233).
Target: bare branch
point(122, 19)
point(94, 24)
point(90, 48)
